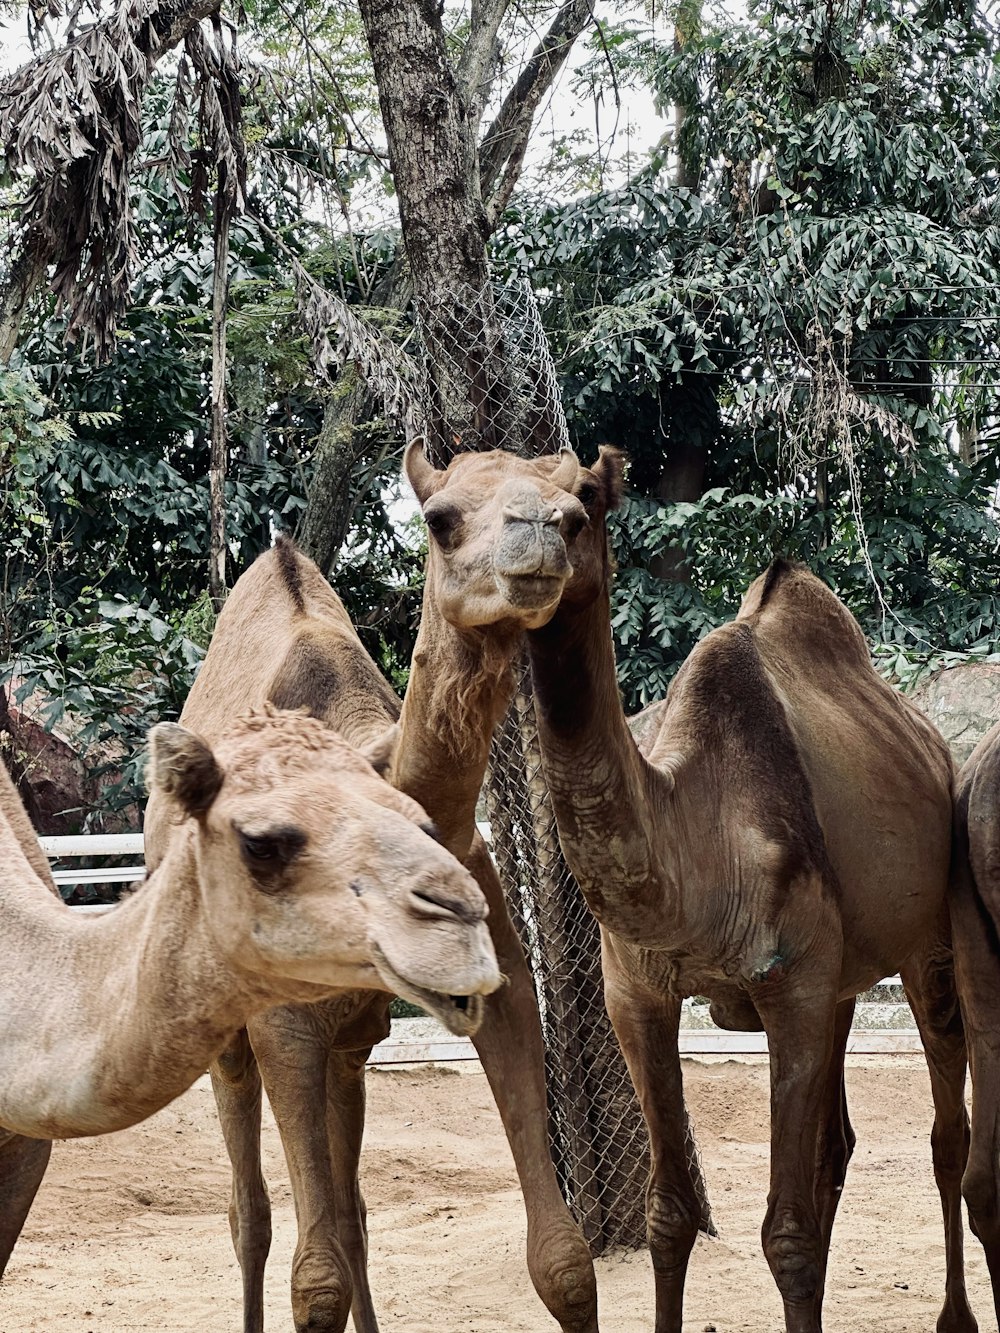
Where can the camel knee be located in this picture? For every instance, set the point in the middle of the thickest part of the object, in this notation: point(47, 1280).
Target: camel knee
point(671, 1227)
point(562, 1272)
point(792, 1249)
point(322, 1290)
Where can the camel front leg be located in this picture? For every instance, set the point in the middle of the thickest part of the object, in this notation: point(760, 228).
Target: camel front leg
point(22, 1166)
point(835, 1147)
point(292, 1055)
point(237, 1087)
point(509, 1044)
point(345, 1124)
point(799, 1021)
point(646, 1025)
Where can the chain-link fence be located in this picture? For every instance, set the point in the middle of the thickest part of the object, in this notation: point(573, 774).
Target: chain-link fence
point(598, 1137)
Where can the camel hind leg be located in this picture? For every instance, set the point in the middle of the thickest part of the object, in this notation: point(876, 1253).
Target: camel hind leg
point(22, 1166)
point(929, 981)
point(237, 1087)
point(977, 965)
point(345, 1124)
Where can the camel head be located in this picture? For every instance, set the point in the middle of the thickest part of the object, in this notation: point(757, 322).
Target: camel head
point(510, 537)
point(311, 868)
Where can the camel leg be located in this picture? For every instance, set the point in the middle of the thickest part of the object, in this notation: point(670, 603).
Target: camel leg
point(292, 1056)
point(237, 1088)
point(22, 1165)
point(835, 1145)
point(929, 980)
point(345, 1111)
point(977, 966)
point(800, 1025)
point(646, 1025)
point(509, 1044)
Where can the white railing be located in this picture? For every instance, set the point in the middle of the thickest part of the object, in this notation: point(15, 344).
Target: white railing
point(693, 1040)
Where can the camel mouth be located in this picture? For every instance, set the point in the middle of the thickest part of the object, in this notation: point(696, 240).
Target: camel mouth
point(462, 1015)
point(531, 592)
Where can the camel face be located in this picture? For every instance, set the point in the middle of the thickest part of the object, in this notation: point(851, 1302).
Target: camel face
point(509, 536)
point(315, 870)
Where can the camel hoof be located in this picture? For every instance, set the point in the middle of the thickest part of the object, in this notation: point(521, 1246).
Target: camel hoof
point(321, 1312)
point(957, 1317)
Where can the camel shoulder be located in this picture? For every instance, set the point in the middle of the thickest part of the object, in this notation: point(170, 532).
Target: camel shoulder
point(724, 716)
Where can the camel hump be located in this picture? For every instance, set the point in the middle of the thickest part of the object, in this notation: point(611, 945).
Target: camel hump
point(788, 602)
point(331, 677)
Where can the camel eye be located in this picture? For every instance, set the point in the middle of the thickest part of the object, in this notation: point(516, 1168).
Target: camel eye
point(442, 523)
point(587, 494)
point(269, 853)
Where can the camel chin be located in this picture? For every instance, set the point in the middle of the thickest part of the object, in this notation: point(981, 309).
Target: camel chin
point(460, 1014)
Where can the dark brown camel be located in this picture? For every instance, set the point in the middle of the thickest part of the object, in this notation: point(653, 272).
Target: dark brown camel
point(976, 924)
point(783, 844)
point(284, 635)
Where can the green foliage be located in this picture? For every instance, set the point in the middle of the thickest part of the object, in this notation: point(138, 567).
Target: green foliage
point(800, 342)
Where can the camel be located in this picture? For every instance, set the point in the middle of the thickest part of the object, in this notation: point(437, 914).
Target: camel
point(296, 872)
point(782, 844)
point(975, 910)
point(284, 635)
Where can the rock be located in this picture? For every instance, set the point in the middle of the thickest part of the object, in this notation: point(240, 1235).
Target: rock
point(963, 702)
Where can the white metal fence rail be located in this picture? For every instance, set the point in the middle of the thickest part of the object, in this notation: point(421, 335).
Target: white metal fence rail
point(404, 1049)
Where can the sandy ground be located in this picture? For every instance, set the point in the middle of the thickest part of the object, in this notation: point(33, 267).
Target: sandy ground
point(129, 1232)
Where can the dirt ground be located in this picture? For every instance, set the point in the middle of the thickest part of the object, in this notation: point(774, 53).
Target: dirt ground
point(129, 1232)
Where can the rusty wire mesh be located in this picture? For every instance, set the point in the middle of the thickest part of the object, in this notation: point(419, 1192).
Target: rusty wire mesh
point(599, 1141)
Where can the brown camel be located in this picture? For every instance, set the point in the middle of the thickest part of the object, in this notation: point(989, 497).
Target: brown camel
point(975, 904)
point(783, 844)
point(284, 635)
point(297, 871)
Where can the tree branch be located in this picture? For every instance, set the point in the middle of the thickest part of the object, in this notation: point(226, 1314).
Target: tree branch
point(474, 75)
point(505, 142)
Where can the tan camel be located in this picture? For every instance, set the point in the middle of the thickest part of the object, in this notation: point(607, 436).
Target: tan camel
point(975, 910)
point(284, 635)
point(783, 845)
point(297, 872)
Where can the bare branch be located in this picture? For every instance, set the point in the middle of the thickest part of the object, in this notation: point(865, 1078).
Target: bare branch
point(504, 144)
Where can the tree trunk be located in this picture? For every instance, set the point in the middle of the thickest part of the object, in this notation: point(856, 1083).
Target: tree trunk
point(453, 194)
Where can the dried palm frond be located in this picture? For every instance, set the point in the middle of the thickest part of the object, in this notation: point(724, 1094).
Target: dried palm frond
point(71, 121)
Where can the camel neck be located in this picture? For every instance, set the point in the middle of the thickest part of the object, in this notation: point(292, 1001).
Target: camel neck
point(601, 787)
point(460, 683)
point(117, 1013)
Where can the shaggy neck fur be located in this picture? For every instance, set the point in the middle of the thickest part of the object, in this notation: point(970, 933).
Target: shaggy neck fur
point(460, 683)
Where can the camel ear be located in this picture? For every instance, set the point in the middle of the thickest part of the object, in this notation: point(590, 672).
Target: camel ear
point(183, 767)
point(381, 751)
point(422, 475)
point(610, 471)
